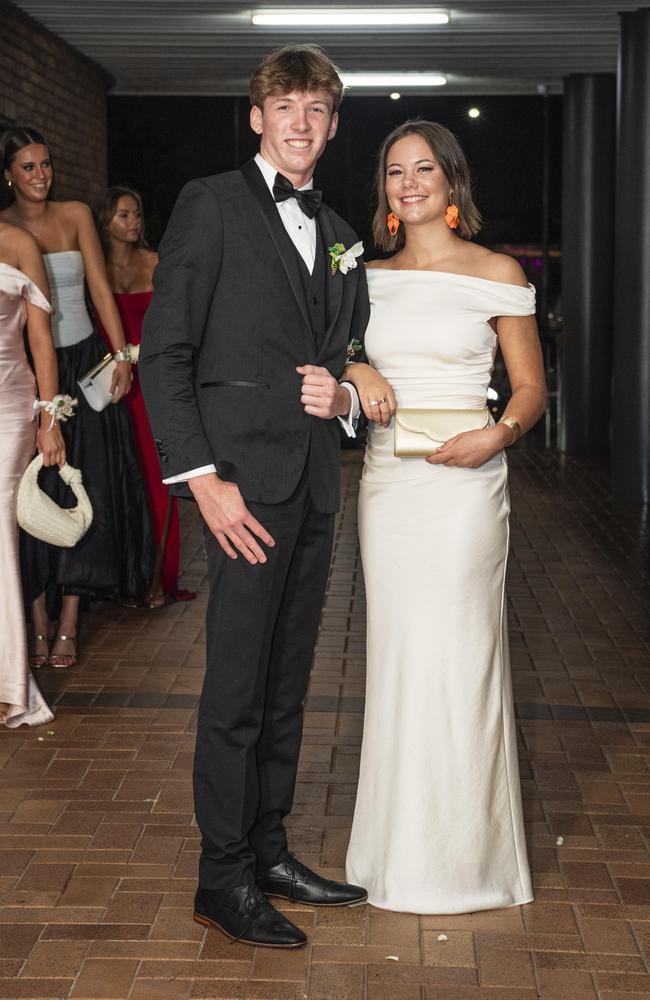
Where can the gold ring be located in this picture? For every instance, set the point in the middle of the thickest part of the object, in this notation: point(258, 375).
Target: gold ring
point(384, 399)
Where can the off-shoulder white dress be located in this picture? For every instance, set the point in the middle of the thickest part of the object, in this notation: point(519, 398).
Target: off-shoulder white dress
point(438, 824)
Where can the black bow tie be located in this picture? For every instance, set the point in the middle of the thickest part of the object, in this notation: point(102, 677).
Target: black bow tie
point(309, 201)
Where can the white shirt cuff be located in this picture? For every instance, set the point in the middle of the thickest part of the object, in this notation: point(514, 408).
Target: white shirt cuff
point(349, 423)
point(182, 477)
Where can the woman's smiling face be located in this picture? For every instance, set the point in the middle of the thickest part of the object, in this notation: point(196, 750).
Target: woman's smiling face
point(31, 172)
point(416, 186)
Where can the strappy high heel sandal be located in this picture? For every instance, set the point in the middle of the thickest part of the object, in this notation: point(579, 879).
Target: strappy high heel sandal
point(37, 660)
point(64, 660)
point(155, 601)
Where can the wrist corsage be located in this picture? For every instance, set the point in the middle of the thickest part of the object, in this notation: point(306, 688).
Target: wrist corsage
point(128, 353)
point(59, 408)
point(344, 260)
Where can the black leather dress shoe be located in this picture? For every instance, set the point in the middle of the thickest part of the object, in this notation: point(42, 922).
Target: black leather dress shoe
point(245, 914)
point(290, 879)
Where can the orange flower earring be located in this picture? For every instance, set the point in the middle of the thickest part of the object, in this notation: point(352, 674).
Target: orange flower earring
point(392, 221)
point(451, 215)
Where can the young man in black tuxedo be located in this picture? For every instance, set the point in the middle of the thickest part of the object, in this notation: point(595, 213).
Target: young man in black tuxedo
point(243, 345)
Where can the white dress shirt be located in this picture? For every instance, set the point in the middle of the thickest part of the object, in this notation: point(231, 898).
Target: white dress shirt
point(300, 228)
point(302, 232)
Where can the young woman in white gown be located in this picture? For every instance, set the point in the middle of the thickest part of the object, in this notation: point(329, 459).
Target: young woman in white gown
point(438, 824)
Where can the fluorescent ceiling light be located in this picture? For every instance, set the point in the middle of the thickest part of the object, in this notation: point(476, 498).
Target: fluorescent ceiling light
point(394, 79)
point(348, 17)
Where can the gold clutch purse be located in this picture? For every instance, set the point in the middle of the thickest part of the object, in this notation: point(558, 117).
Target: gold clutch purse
point(418, 432)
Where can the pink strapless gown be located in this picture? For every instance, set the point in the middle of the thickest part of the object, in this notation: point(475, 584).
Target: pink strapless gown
point(17, 393)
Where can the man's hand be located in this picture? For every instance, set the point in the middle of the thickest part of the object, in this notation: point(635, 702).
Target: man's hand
point(321, 394)
point(228, 518)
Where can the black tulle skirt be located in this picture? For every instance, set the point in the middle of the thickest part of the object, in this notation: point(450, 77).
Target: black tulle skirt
point(115, 558)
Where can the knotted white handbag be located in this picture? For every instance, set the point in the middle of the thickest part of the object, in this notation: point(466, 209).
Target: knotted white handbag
point(418, 432)
point(38, 515)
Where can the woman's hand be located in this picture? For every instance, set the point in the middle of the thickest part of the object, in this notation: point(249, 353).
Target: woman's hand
point(50, 444)
point(375, 393)
point(122, 379)
point(472, 448)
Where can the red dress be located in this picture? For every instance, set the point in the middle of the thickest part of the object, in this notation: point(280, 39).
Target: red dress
point(132, 306)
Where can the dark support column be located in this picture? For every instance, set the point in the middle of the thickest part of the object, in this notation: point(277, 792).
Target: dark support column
point(588, 152)
point(631, 390)
point(542, 290)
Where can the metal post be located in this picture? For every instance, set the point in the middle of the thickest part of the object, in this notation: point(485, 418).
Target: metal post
point(587, 261)
point(543, 298)
point(631, 388)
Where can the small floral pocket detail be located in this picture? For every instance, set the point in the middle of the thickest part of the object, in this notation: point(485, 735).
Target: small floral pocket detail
point(344, 260)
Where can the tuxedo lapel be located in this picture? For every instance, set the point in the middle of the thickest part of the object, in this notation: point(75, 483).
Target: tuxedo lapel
point(277, 232)
point(334, 281)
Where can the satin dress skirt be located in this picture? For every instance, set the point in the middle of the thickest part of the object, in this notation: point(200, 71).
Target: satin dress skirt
point(115, 558)
point(438, 824)
point(132, 307)
point(17, 441)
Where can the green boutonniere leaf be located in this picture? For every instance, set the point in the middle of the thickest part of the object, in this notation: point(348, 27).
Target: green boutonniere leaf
point(335, 253)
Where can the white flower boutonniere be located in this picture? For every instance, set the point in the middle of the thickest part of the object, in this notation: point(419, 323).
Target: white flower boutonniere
point(344, 260)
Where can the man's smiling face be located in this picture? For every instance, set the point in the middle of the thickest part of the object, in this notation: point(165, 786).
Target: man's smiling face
point(294, 130)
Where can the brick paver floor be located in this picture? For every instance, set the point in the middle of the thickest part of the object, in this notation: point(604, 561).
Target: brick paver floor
point(99, 848)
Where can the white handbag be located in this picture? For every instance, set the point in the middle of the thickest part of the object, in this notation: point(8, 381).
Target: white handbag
point(96, 383)
point(418, 432)
point(38, 515)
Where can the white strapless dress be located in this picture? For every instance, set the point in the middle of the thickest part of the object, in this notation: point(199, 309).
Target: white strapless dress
point(438, 824)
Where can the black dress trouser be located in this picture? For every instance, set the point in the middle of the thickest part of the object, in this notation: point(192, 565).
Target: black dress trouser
point(262, 623)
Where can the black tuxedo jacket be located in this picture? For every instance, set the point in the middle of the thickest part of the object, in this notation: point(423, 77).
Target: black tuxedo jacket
point(226, 328)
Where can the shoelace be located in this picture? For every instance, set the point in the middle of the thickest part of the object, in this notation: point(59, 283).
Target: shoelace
point(296, 868)
point(253, 896)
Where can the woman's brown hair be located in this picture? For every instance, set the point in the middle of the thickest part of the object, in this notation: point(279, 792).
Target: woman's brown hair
point(106, 208)
point(301, 68)
point(451, 159)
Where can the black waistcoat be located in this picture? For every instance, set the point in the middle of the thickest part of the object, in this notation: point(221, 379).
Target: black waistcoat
point(314, 288)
